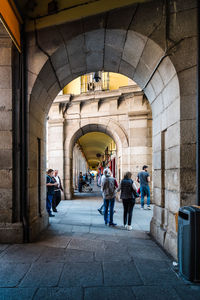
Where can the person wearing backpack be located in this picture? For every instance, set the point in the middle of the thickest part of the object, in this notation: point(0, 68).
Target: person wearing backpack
point(128, 194)
point(108, 187)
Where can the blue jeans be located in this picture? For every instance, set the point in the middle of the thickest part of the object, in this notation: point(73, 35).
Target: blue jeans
point(49, 203)
point(109, 203)
point(145, 191)
point(80, 187)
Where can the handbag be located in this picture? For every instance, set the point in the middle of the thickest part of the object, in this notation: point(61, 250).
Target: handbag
point(135, 193)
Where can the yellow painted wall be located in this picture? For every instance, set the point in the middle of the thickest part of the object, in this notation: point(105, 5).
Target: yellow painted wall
point(115, 81)
point(73, 87)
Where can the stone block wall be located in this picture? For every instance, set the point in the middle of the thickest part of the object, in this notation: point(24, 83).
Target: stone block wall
point(6, 176)
point(10, 227)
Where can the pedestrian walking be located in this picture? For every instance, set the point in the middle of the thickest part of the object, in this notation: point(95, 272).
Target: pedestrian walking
point(80, 182)
point(101, 209)
point(108, 188)
point(90, 178)
point(128, 195)
point(143, 178)
point(57, 192)
point(51, 184)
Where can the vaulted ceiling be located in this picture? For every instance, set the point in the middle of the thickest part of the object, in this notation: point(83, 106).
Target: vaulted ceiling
point(93, 143)
point(53, 12)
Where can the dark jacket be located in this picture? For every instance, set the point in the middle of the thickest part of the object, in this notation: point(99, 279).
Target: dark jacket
point(50, 189)
point(126, 187)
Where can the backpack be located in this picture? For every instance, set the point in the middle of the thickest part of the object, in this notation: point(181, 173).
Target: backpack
point(108, 187)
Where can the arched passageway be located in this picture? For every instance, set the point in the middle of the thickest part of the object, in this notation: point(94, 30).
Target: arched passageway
point(92, 152)
point(116, 133)
point(141, 55)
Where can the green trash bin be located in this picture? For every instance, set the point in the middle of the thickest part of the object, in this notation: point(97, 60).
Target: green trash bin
point(189, 243)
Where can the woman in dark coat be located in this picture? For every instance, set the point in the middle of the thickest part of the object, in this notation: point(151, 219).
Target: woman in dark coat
point(128, 194)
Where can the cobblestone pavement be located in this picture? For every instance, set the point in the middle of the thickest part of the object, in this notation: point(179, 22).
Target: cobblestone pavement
point(79, 258)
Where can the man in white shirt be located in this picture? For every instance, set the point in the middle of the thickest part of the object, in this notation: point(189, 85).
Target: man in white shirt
point(57, 190)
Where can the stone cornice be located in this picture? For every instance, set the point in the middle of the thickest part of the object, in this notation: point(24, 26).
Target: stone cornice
point(126, 92)
point(139, 114)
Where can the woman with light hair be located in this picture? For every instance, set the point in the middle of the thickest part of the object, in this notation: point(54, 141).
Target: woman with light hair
point(128, 194)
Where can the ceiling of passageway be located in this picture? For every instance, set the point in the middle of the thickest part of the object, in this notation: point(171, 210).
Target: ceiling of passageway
point(93, 143)
point(65, 11)
point(123, 51)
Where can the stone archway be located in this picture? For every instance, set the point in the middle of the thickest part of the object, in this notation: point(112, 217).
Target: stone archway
point(138, 52)
point(107, 126)
point(163, 103)
point(137, 63)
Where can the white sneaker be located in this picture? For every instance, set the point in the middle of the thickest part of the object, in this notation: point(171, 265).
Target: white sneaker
point(142, 207)
point(125, 226)
point(149, 207)
point(129, 227)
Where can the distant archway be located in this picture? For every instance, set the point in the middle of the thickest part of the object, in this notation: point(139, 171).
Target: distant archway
point(106, 126)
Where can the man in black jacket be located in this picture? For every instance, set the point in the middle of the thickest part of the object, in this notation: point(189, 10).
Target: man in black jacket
point(57, 192)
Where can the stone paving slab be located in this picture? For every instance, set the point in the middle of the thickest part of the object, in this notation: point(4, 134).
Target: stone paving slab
point(109, 293)
point(52, 254)
point(101, 230)
point(155, 293)
point(85, 229)
point(25, 253)
point(60, 229)
point(81, 275)
point(85, 244)
point(59, 294)
point(121, 274)
point(113, 251)
point(73, 255)
point(142, 242)
point(152, 252)
point(12, 273)
point(17, 293)
point(103, 237)
point(156, 272)
point(60, 241)
point(42, 275)
point(188, 292)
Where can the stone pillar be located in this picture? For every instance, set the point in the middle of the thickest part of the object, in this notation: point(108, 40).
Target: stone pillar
point(6, 163)
point(10, 226)
point(68, 181)
point(55, 146)
point(140, 132)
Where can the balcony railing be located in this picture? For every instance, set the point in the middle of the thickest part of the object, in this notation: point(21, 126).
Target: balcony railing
point(98, 81)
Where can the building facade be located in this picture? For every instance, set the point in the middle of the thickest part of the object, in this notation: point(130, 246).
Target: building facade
point(123, 114)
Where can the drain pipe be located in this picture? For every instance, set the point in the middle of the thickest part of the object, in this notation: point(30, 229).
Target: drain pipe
point(198, 110)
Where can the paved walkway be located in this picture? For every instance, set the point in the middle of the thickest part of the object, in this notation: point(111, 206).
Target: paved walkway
point(79, 258)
